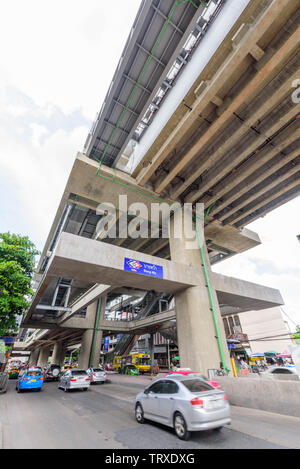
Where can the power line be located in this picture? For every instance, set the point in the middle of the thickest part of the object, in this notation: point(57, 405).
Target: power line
point(289, 317)
point(271, 336)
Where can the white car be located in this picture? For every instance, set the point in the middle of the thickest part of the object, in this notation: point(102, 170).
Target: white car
point(276, 370)
point(97, 375)
point(75, 379)
point(183, 403)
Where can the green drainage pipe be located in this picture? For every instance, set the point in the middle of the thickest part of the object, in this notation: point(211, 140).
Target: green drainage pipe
point(211, 296)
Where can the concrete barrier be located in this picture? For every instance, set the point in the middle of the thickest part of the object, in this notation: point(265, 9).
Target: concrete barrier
point(3, 382)
point(279, 396)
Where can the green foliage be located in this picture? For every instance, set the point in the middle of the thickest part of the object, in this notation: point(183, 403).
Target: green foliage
point(17, 256)
point(75, 356)
point(19, 249)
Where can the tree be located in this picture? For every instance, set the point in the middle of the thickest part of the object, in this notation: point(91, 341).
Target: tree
point(17, 257)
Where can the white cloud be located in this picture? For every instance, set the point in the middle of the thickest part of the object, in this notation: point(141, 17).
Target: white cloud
point(38, 131)
point(56, 63)
point(36, 160)
point(64, 52)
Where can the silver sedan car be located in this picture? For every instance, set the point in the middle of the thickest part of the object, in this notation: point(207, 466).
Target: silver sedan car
point(75, 379)
point(97, 375)
point(183, 403)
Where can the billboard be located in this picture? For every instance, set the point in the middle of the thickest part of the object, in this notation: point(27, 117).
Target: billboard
point(106, 344)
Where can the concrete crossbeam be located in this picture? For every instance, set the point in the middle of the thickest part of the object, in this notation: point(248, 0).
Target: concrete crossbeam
point(257, 193)
point(280, 189)
point(248, 178)
point(277, 201)
point(93, 261)
point(278, 9)
point(216, 174)
point(129, 327)
point(243, 294)
point(96, 292)
point(248, 93)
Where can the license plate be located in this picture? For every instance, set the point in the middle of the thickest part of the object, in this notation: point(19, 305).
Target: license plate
point(33, 380)
point(216, 404)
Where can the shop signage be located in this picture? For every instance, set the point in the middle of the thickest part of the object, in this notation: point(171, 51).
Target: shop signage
point(239, 337)
point(106, 344)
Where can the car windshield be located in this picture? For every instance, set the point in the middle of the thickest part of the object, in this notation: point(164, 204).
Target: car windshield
point(33, 373)
point(143, 361)
point(196, 375)
point(196, 385)
point(78, 372)
point(96, 370)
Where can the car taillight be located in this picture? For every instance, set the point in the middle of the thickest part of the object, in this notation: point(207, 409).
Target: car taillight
point(226, 398)
point(197, 402)
point(88, 379)
point(73, 379)
point(104, 374)
point(94, 374)
point(26, 379)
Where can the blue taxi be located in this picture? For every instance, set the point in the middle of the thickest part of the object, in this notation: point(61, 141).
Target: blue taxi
point(32, 378)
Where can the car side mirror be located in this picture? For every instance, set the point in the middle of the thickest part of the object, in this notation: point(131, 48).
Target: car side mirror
point(146, 391)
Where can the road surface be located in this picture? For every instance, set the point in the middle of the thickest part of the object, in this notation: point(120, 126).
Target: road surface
point(103, 417)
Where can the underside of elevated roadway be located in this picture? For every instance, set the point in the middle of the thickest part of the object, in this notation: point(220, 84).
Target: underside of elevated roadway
point(202, 109)
point(93, 262)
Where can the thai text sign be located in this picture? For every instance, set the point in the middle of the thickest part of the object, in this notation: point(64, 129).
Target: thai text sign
point(144, 268)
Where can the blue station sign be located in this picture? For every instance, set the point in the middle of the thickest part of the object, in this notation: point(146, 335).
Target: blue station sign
point(143, 268)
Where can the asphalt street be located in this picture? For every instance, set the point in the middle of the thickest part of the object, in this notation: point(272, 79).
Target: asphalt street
point(103, 417)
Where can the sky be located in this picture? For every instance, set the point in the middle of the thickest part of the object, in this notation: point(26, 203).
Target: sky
point(57, 60)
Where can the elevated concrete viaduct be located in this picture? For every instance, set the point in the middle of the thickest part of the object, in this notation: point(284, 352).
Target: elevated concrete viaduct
point(203, 108)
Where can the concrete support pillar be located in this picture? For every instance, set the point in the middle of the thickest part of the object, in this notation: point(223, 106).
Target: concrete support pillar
point(151, 349)
point(85, 349)
point(91, 339)
point(33, 359)
point(44, 355)
point(62, 354)
point(197, 337)
point(56, 354)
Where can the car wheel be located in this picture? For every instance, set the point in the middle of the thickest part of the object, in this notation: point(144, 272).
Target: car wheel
point(85, 389)
point(180, 427)
point(218, 429)
point(139, 413)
